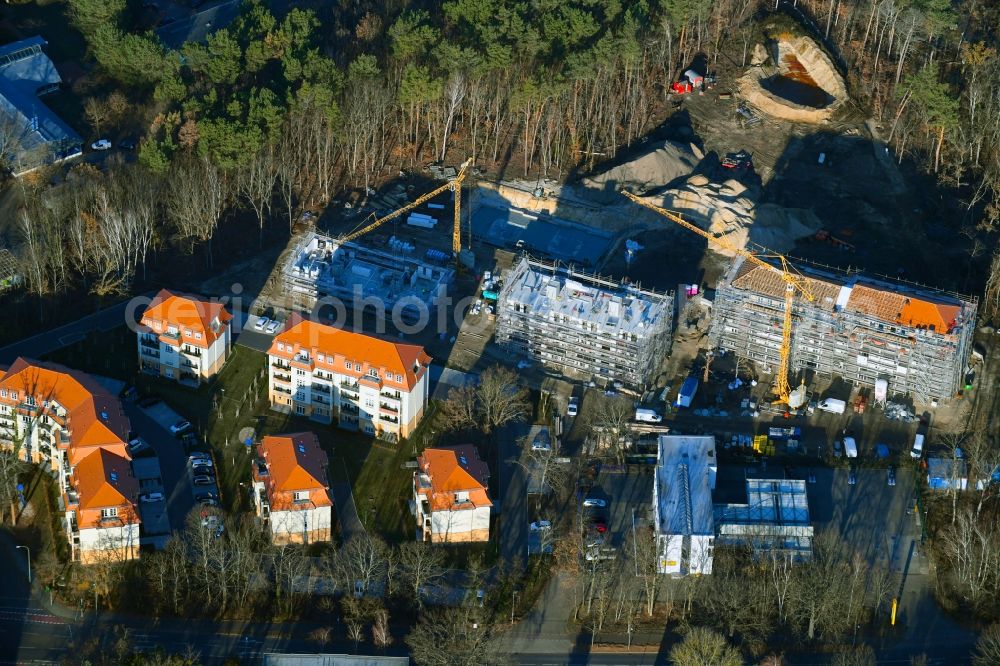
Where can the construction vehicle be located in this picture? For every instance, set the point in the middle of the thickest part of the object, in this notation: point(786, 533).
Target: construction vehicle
point(456, 236)
point(794, 282)
point(740, 161)
point(824, 236)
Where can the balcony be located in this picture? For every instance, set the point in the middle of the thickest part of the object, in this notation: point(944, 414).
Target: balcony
point(280, 389)
point(320, 388)
point(348, 408)
point(389, 419)
point(72, 498)
point(108, 521)
point(278, 365)
point(175, 336)
point(150, 341)
point(63, 439)
point(285, 379)
point(391, 395)
point(150, 352)
point(303, 359)
point(191, 351)
point(350, 386)
point(189, 364)
point(320, 400)
point(388, 408)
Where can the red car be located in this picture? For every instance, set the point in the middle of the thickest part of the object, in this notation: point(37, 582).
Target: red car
point(600, 525)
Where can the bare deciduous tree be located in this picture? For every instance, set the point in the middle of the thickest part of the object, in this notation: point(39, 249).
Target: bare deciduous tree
point(420, 565)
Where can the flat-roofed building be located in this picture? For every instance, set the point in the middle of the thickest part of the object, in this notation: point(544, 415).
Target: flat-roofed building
point(686, 467)
point(774, 520)
point(583, 325)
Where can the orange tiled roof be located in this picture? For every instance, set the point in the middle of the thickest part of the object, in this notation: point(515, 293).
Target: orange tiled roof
point(877, 301)
point(339, 345)
point(455, 469)
point(187, 312)
point(296, 462)
point(104, 479)
point(96, 417)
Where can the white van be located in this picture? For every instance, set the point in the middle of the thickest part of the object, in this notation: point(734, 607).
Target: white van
point(832, 405)
point(647, 416)
point(918, 446)
point(850, 447)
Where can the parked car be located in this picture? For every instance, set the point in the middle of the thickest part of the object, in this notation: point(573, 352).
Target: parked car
point(206, 495)
point(209, 501)
point(149, 401)
point(573, 408)
point(852, 477)
point(541, 442)
point(540, 525)
point(599, 525)
point(151, 497)
point(101, 144)
point(203, 480)
point(202, 470)
point(180, 427)
point(272, 328)
point(595, 501)
point(127, 144)
point(200, 459)
point(891, 476)
point(137, 445)
point(261, 323)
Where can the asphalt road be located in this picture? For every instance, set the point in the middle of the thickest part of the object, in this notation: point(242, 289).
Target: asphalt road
point(57, 338)
point(513, 489)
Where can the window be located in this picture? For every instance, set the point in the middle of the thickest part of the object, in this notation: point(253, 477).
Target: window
point(301, 495)
point(197, 335)
point(187, 332)
point(281, 346)
point(299, 372)
point(30, 399)
point(347, 364)
point(111, 512)
point(373, 372)
point(357, 366)
point(299, 409)
point(399, 378)
point(13, 395)
point(3, 393)
point(321, 357)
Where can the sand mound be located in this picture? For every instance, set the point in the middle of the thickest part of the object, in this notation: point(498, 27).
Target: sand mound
point(656, 168)
point(730, 212)
point(793, 79)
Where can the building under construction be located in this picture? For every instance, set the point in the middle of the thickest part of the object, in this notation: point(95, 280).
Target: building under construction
point(583, 325)
point(857, 328)
point(774, 520)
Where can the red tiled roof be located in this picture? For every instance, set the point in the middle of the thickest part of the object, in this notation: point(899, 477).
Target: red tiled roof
point(338, 346)
point(296, 462)
point(455, 469)
point(192, 313)
point(104, 479)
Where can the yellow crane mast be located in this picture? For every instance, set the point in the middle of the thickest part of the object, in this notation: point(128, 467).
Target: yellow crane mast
point(792, 282)
point(456, 235)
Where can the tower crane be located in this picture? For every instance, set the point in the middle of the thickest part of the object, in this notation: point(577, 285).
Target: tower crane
point(793, 283)
point(456, 235)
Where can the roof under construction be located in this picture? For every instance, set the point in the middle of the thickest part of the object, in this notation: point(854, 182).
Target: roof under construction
point(895, 303)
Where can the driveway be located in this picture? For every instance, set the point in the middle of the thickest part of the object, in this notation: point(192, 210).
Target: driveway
point(513, 504)
point(153, 426)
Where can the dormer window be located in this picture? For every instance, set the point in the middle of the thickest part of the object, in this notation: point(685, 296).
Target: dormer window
point(461, 497)
point(301, 496)
point(281, 346)
point(373, 373)
point(197, 335)
point(347, 364)
point(110, 512)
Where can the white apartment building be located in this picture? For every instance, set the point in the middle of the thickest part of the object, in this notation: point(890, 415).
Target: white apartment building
point(184, 338)
point(69, 424)
point(292, 489)
point(450, 499)
point(355, 381)
point(686, 467)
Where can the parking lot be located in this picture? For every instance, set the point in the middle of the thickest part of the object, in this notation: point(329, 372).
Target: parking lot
point(627, 495)
point(153, 425)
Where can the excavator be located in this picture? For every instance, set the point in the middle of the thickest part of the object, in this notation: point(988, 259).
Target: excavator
point(456, 236)
point(793, 283)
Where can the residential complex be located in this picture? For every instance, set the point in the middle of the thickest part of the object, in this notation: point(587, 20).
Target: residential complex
point(774, 519)
point(860, 329)
point(686, 468)
point(33, 134)
point(68, 423)
point(184, 338)
point(291, 488)
point(450, 498)
point(583, 325)
point(350, 379)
